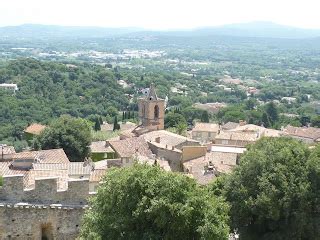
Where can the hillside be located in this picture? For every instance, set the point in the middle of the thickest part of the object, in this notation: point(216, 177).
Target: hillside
point(251, 29)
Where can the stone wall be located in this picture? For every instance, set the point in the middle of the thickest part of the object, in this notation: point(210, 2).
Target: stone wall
point(172, 155)
point(192, 152)
point(44, 211)
point(31, 221)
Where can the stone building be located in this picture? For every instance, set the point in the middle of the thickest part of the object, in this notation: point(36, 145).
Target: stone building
point(309, 135)
point(205, 132)
point(151, 111)
point(44, 211)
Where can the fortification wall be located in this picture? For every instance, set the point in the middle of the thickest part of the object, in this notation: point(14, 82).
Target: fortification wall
point(45, 191)
point(39, 221)
point(43, 212)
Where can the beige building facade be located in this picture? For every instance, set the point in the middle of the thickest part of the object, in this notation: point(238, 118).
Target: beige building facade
point(151, 111)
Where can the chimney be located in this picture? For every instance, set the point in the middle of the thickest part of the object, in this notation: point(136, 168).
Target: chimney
point(158, 140)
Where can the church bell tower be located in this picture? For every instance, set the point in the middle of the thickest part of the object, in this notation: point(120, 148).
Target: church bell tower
point(151, 110)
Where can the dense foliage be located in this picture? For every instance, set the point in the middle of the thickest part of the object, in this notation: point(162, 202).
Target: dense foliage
point(145, 202)
point(48, 90)
point(71, 134)
point(274, 192)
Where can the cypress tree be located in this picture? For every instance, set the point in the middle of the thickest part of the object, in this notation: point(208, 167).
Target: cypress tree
point(97, 126)
point(116, 125)
point(205, 117)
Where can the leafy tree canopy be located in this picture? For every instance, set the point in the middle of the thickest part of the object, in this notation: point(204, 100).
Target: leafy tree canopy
point(145, 202)
point(71, 134)
point(174, 119)
point(270, 191)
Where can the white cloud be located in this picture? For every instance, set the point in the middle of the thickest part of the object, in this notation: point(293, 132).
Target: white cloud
point(158, 14)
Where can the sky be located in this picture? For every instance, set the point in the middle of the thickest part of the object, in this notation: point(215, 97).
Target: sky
point(159, 14)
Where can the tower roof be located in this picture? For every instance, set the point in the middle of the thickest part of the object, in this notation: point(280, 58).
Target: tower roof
point(152, 95)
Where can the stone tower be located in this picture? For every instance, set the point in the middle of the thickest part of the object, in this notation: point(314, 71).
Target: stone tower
point(151, 111)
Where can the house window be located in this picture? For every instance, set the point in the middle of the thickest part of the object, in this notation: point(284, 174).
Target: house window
point(156, 112)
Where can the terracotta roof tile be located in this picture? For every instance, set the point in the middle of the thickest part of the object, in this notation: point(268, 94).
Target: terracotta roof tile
point(97, 175)
point(206, 127)
point(35, 129)
point(238, 136)
point(304, 132)
point(5, 149)
point(222, 162)
point(167, 138)
point(100, 147)
point(230, 125)
point(128, 147)
point(44, 156)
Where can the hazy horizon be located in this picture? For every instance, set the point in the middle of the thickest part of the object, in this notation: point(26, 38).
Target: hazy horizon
point(156, 15)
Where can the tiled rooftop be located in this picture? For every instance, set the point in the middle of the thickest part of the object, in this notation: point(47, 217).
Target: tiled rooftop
point(35, 128)
point(167, 138)
point(100, 147)
point(44, 156)
point(237, 136)
point(206, 127)
point(304, 132)
point(128, 147)
point(222, 162)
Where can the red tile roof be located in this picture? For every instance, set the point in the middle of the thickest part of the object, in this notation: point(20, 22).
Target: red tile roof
point(130, 146)
point(44, 156)
point(35, 129)
point(304, 132)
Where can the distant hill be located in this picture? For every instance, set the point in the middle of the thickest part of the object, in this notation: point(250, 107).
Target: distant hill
point(259, 29)
point(252, 29)
point(52, 31)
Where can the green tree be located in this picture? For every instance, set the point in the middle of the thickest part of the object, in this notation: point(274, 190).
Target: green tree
point(112, 111)
point(314, 178)
point(116, 125)
point(265, 120)
point(272, 112)
point(100, 120)
point(71, 134)
point(97, 126)
point(205, 117)
point(269, 191)
point(315, 121)
point(250, 103)
point(181, 128)
point(173, 119)
point(146, 202)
